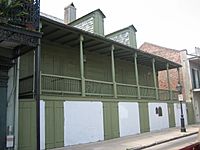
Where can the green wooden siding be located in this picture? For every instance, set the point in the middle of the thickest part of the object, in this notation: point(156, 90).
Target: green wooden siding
point(144, 117)
point(3, 102)
point(190, 113)
point(111, 120)
point(65, 61)
point(54, 124)
point(171, 115)
point(60, 61)
point(27, 125)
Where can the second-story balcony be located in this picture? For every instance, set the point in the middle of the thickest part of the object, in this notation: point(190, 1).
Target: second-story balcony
point(106, 69)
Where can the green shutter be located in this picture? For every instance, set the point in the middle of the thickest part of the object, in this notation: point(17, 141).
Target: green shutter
point(54, 124)
point(144, 117)
point(111, 120)
point(171, 115)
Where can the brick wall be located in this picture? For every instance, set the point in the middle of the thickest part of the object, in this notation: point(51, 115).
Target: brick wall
point(170, 54)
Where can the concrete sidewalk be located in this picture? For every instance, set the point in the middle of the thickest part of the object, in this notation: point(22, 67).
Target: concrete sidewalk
point(136, 141)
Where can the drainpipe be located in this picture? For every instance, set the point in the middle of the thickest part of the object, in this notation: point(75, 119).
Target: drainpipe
point(16, 118)
point(37, 91)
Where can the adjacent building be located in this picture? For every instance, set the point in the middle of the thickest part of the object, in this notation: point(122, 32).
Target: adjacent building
point(18, 35)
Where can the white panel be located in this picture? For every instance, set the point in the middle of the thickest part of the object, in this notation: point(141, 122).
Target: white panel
point(129, 121)
point(42, 124)
point(177, 113)
point(157, 122)
point(83, 122)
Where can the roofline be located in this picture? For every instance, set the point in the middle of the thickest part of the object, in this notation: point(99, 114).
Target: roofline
point(174, 50)
point(108, 40)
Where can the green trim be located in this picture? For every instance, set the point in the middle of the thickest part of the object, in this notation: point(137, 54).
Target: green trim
point(111, 99)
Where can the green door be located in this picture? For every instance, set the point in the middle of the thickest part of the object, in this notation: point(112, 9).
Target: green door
point(3, 101)
point(27, 125)
point(144, 117)
point(171, 115)
point(54, 124)
point(190, 113)
point(111, 120)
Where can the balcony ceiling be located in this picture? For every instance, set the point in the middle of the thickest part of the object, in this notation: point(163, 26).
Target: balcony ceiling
point(66, 35)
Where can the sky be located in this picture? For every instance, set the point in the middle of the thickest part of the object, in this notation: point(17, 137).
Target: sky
point(170, 23)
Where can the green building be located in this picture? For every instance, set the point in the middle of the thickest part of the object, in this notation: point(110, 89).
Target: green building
point(93, 86)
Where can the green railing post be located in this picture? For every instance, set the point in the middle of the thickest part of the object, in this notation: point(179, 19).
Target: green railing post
point(113, 71)
point(136, 76)
point(154, 77)
point(168, 81)
point(82, 67)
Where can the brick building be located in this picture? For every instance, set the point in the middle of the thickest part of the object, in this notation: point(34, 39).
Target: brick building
point(170, 54)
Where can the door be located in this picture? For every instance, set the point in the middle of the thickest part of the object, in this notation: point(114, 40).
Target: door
point(171, 115)
point(144, 117)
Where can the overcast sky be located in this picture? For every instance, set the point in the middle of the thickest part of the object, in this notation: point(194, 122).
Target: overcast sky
point(169, 23)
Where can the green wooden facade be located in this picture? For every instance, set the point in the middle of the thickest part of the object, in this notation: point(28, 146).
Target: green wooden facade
point(76, 65)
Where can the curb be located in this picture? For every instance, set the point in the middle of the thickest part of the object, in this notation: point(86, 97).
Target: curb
point(161, 142)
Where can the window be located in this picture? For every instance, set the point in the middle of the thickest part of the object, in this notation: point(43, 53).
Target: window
point(159, 111)
point(196, 78)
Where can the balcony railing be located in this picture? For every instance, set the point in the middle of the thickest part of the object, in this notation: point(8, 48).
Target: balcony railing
point(24, 13)
point(101, 88)
point(63, 85)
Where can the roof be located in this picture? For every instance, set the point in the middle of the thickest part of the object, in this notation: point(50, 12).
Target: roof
point(67, 35)
point(131, 26)
point(97, 10)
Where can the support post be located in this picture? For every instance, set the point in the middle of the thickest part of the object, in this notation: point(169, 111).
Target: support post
point(113, 71)
point(37, 90)
point(136, 76)
point(179, 87)
point(154, 78)
point(82, 67)
point(168, 81)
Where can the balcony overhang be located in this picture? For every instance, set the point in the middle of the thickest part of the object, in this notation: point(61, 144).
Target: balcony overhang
point(13, 38)
point(69, 36)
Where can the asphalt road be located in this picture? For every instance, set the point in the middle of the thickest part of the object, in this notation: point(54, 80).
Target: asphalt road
point(176, 144)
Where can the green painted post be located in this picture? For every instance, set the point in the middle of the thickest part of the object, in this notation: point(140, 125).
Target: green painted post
point(168, 81)
point(82, 67)
point(113, 71)
point(154, 77)
point(136, 75)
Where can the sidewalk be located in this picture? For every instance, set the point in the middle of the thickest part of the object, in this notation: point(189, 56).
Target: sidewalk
point(136, 141)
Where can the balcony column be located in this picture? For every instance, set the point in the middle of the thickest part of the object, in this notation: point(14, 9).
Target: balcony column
point(136, 76)
point(82, 66)
point(154, 78)
point(113, 71)
point(168, 81)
